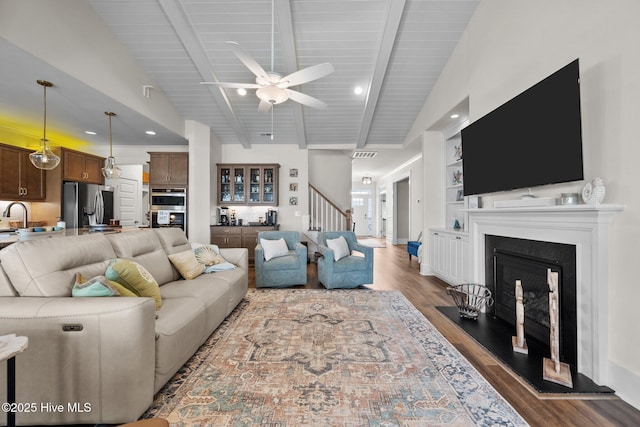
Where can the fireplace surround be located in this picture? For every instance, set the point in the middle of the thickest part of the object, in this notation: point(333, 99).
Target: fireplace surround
point(586, 227)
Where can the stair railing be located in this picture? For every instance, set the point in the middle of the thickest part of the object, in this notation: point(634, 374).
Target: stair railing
point(324, 215)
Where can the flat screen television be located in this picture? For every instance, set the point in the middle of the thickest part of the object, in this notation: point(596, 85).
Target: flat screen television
point(534, 139)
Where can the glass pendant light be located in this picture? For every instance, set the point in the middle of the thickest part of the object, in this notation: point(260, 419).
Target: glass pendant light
point(44, 158)
point(110, 169)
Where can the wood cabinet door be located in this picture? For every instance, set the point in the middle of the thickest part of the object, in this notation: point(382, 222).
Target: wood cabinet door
point(9, 172)
point(32, 179)
point(72, 166)
point(159, 169)
point(93, 169)
point(179, 169)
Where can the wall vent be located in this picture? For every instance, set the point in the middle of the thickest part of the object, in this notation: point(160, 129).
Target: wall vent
point(364, 154)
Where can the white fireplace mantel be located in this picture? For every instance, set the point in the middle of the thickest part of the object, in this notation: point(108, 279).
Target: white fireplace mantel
point(586, 227)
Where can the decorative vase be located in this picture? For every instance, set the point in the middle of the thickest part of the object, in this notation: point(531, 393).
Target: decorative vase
point(598, 190)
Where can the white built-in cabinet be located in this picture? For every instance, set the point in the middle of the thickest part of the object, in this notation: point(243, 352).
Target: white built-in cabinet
point(449, 255)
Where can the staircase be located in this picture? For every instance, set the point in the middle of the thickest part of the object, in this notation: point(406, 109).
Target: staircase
point(325, 215)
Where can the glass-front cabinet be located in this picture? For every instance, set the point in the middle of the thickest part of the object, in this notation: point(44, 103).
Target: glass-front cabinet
point(248, 184)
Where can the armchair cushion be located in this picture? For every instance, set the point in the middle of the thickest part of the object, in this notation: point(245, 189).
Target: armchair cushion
point(340, 248)
point(274, 248)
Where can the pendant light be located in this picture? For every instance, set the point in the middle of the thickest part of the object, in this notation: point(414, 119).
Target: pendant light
point(44, 158)
point(110, 169)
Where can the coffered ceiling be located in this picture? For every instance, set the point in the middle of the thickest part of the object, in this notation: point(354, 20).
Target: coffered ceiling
point(393, 49)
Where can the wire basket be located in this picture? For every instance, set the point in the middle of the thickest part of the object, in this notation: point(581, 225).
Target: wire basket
point(470, 299)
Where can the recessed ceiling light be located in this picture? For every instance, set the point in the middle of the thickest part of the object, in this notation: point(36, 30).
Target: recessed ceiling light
point(358, 90)
point(242, 91)
point(455, 116)
point(150, 132)
point(90, 132)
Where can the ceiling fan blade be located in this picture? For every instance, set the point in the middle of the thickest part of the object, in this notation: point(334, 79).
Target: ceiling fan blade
point(233, 85)
point(303, 99)
point(264, 107)
point(248, 61)
point(306, 75)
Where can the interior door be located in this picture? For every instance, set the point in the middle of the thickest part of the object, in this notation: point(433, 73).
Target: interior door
point(127, 203)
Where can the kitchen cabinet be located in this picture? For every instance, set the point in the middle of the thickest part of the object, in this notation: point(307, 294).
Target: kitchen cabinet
point(81, 167)
point(248, 184)
point(449, 255)
point(19, 179)
point(169, 169)
point(239, 237)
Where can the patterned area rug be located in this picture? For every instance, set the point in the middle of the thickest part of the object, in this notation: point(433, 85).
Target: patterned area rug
point(329, 358)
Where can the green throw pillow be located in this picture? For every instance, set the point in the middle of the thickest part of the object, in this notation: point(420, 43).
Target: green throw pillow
point(135, 278)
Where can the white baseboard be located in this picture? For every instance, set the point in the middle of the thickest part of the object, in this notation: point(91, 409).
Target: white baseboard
point(625, 383)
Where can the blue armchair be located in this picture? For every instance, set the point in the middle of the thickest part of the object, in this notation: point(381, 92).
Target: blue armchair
point(348, 272)
point(290, 268)
point(413, 246)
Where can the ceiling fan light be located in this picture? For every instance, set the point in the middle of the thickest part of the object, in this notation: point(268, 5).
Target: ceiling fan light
point(272, 94)
point(44, 158)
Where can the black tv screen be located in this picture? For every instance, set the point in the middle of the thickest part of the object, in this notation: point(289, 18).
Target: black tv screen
point(533, 139)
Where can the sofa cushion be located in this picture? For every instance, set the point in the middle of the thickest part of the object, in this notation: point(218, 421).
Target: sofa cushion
point(187, 264)
point(144, 247)
point(135, 278)
point(350, 263)
point(274, 248)
point(33, 274)
point(289, 261)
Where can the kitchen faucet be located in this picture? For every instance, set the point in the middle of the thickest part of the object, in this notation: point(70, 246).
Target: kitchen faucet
point(24, 215)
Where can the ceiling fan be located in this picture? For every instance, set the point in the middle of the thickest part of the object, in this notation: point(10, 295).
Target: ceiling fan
point(271, 87)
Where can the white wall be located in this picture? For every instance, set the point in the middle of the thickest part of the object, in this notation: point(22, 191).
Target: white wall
point(509, 46)
point(330, 173)
point(290, 217)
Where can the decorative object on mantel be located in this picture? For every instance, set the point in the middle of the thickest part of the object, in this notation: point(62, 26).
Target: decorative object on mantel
point(593, 192)
point(519, 342)
point(475, 202)
point(470, 299)
point(553, 369)
point(44, 158)
point(569, 198)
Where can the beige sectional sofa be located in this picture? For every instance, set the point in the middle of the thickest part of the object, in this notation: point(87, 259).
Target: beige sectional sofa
point(112, 353)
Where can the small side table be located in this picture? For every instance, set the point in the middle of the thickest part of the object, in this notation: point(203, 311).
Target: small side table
point(10, 346)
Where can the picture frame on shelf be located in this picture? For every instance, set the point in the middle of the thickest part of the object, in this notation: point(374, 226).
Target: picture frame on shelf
point(459, 196)
point(456, 177)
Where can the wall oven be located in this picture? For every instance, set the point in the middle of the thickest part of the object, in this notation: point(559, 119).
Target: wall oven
point(169, 207)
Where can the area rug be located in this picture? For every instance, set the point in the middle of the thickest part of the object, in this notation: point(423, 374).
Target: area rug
point(329, 358)
point(372, 243)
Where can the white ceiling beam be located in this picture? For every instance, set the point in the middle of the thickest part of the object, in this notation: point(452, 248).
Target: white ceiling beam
point(184, 30)
point(288, 44)
point(394, 17)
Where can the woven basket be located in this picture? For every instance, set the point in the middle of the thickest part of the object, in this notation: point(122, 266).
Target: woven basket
point(470, 299)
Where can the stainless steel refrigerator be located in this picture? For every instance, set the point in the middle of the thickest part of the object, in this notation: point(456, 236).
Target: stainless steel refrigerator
point(85, 205)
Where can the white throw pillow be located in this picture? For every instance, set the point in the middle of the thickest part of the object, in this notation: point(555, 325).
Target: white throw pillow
point(340, 248)
point(274, 248)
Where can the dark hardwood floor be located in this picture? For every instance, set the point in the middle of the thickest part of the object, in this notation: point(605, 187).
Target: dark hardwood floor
point(394, 271)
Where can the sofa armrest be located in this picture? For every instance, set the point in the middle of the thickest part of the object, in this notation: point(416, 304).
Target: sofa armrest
point(82, 350)
point(237, 256)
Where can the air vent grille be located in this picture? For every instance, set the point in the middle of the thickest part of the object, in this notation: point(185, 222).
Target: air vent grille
point(364, 154)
